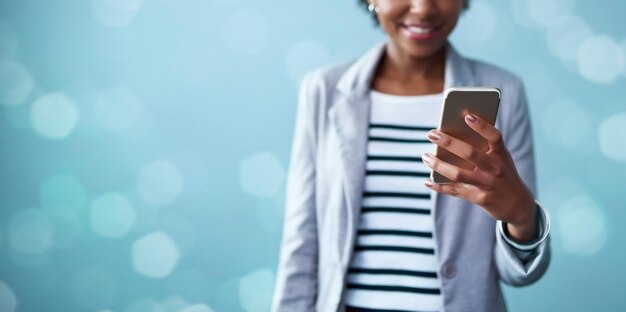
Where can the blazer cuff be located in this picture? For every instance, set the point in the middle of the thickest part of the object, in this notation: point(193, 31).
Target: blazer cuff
point(543, 230)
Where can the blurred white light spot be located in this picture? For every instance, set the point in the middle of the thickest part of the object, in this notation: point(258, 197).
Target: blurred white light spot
point(8, 41)
point(117, 109)
point(572, 124)
point(112, 215)
point(197, 308)
point(16, 83)
point(155, 255)
point(566, 35)
point(8, 301)
point(160, 182)
point(115, 13)
point(143, 305)
point(63, 190)
point(174, 303)
point(546, 12)
point(599, 59)
point(611, 137)
point(30, 232)
point(261, 174)
point(54, 116)
point(305, 56)
point(94, 287)
point(477, 26)
point(245, 32)
point(255, 291)
point(520, 14)
point(622, 47)
point(582, 225)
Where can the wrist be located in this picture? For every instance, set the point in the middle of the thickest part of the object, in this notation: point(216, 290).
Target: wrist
point(524, 227)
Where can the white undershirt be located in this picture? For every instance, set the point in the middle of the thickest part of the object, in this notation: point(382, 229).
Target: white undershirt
point(395, 265)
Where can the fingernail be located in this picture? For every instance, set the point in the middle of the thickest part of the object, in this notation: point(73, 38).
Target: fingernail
point(471, 118)
point(428, 183)
point(433, 135)
point(426, 158)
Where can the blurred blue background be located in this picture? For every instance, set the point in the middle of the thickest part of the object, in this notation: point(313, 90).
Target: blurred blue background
point(145, 144)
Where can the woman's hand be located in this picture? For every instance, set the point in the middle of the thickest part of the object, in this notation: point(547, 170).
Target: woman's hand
point(493, 183)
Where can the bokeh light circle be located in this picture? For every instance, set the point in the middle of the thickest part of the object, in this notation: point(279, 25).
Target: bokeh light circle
point(54, 116)
point(611, 137)
point(174, 303)
point(155, 255)
point(255, 291)
point(546, 12)
point(160, 182)
point(245, 32)
point(599, 59)
point(142, 305)
point(8, 300)
point(572, 126)
point(115, 13)
point(30, 232)
point(94, 287)
point(566, 35)
point(16, 83)
point(261, 175)
point(112, 215)
point(622, 47)
point(582, 225)
point(63, 189)
point(305, 56)
point(200, 307)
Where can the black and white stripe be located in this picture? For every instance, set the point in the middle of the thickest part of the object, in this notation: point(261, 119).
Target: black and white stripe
point(394, 266)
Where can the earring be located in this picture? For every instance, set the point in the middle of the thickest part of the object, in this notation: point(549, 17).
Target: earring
point(372, 8)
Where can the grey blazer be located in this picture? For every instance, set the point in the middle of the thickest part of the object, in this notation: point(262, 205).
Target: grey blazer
point(325, 185)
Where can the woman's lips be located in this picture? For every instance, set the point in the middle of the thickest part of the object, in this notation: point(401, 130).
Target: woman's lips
point(423, 32)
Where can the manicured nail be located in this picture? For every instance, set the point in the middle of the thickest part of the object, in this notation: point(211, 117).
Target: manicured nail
point(428, 183)
point(471, 118)
point(434, 135)
point(426, 158)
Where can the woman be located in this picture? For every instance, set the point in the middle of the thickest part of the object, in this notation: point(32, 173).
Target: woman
point(365, 229)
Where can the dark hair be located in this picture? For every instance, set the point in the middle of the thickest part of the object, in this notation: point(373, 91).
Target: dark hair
point(365, 4)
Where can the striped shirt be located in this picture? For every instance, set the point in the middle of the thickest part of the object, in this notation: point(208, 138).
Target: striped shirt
point(394, 266)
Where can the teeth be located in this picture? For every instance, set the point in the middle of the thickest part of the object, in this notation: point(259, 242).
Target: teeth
point(419, 30)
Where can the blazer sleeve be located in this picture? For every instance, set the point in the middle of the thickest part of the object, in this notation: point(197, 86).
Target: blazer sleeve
point(296, 277)
point(519, 267)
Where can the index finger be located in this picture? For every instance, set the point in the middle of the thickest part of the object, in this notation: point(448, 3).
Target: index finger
point(486, 130)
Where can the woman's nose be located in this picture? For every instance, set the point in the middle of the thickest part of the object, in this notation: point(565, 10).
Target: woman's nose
point(424, 8)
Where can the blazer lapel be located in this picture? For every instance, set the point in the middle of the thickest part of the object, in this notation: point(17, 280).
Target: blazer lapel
point(349, 117)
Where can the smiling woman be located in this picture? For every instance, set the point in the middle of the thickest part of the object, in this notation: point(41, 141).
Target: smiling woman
point(365, 228)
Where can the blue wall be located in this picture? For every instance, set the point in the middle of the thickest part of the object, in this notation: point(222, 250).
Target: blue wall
point(145, 144)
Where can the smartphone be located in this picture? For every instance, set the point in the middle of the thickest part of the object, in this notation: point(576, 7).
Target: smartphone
point(458, 102)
